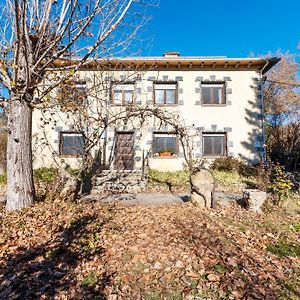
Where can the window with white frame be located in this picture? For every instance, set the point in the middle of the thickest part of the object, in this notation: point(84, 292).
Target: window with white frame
point(213, 93)
point(123, 94)
point(214, 144)
point(165, 93)
point(165, 144)
point(71, 143)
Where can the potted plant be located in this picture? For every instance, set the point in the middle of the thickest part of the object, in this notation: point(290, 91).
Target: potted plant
point(166, 152)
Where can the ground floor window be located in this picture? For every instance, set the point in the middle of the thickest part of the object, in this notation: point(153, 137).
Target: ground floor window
point(71, 143)
point(214, 144)
point(165, 144)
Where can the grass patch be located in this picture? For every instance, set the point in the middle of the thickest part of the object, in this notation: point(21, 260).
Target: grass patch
point(153, 296)
point(289, 291)
point(295, 227)
point(46, 175)
point(177, 179)
point(3, 179)
point(227, 178)
point(220, 269)
point(89, 280)
point(283, 249)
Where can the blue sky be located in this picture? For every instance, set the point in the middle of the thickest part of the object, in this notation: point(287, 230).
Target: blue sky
point(232, 28)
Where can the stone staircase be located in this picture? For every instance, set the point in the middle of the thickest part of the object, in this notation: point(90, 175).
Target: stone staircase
point(112, 181)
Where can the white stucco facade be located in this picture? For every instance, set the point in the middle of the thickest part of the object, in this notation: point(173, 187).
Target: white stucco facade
point(239, 119)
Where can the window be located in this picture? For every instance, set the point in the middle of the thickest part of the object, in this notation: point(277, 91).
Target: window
point(123, 94)
point(72, 94)
point(165, 144)
point(165, 93)
point(214, 144)
point(213, 93)
point(71, 143)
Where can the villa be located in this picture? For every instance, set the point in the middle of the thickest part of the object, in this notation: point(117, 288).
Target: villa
point(220, 98)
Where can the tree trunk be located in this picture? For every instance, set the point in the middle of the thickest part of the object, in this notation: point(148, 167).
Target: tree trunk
point(20, 187)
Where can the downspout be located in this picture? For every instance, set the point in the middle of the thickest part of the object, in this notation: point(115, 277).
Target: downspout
point(263, 112)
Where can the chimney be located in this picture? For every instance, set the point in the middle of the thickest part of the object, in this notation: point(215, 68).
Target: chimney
point(171, 54)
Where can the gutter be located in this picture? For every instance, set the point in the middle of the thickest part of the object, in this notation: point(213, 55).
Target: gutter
point(263, 111)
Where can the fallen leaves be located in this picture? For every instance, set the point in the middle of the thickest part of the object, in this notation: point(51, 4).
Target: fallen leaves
point(84, 251)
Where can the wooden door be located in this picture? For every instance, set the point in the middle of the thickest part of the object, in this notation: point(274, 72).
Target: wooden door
point(124, 152)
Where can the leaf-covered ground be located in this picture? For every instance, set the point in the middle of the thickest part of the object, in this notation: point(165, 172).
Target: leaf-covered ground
point(92, 251)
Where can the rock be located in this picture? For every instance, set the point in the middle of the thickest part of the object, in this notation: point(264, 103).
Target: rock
point(232, 262)
point(58, 274)
point(202, 188)
point(187, 280)
point(157, 266)
point(179, 264)
point(213, 277)
point(6, 282)
point(254, 199)
point(2, 199)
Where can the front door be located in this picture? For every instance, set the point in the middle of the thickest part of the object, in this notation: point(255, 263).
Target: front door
point(124, 152)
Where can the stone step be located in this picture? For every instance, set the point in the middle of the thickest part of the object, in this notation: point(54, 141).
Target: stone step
point(127, 181)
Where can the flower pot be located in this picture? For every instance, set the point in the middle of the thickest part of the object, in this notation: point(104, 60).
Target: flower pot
point(165, 154)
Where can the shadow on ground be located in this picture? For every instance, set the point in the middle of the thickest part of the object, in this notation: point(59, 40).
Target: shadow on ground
point(42, 272)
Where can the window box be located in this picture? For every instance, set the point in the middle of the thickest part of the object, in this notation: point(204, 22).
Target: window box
point(165, 153)
point(165, 145)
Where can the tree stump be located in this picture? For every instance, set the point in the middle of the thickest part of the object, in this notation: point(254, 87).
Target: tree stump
point(66, 187)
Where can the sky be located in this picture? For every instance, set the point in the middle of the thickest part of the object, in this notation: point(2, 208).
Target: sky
point(232, 28)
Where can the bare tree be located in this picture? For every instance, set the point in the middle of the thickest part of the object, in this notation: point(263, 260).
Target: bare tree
point(282, 108)
point(35, 36)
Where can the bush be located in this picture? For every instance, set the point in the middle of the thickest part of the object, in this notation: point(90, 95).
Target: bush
point(45, 175)
point(280, 184)
point(230, 164)
point(43, 180)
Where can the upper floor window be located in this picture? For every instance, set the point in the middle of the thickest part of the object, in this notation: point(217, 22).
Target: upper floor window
point(72, 94)
point(71, 143)
point(165, 144)
point(165, 93)
point(213, 93)
point(214, 144)
point(123, 94)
